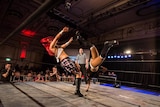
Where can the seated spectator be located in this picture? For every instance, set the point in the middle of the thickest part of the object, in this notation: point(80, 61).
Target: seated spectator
point(109, 73)
point(54, 76)
point(63, 78)
point(70, 78)
point(47, 71)
point(34, 75)
point(17, 77)
point(46, 77)
point(112, 74)
point(39, 78)
point(29, 76)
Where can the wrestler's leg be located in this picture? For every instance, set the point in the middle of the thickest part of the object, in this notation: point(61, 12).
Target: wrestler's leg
point(88, 80)
point(76, 71)
point(78, 75)
point(94, 52)
point(73, 68)
point(97, 59)
point(88, 85)
point(107, 46)
point(78, 84)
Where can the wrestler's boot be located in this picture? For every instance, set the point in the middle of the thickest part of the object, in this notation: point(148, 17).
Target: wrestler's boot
point(82, 41)
point(107, 46)
point(78, 83)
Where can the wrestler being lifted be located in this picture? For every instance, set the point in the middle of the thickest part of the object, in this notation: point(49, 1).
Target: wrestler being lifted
point(96, 59)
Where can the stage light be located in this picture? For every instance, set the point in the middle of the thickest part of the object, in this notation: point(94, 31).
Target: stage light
point(128, 51)
point(8, 59)
point(122, 57)
point(129, 56)
point(125, 56)
point(109, 57)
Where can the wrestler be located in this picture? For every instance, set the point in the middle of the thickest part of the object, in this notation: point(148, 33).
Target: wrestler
point(53, 49)
point(96, 59)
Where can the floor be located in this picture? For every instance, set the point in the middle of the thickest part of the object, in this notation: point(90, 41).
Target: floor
point(61, 94)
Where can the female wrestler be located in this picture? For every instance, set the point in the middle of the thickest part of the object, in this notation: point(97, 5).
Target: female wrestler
point(96, 60)
point(53, 49)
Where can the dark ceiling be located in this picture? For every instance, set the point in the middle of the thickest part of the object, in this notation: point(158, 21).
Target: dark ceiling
point(92, 18)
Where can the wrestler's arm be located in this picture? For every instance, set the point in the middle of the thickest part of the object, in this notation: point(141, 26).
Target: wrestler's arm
point(55, 40)
point(67, 43)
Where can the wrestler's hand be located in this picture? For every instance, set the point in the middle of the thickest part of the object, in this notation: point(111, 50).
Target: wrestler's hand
point(65, 29)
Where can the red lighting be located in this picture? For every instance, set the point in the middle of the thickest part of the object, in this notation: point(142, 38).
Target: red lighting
point(23, 53)
point(28, 33)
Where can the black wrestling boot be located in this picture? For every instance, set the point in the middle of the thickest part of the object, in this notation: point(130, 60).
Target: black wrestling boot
point(107, 46)
point(82, 41)
point(78, 83)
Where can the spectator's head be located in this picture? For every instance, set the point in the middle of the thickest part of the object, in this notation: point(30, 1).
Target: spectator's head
point(39, 75)
point(54, 68)
point(7, 65)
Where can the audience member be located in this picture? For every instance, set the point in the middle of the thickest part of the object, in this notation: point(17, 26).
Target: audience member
point(29, 76)
point(6, 73)
point(39, 78)
point(54, 74)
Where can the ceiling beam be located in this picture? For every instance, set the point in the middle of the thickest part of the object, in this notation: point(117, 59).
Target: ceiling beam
point(43, 8)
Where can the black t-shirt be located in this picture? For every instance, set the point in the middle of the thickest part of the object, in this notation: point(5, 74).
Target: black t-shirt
point(7, 79)
point(91, 74)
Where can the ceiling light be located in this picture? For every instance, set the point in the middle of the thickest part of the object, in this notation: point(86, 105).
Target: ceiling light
point(28, 33)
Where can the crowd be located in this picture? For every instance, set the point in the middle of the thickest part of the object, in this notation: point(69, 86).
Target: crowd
point(25, 74)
